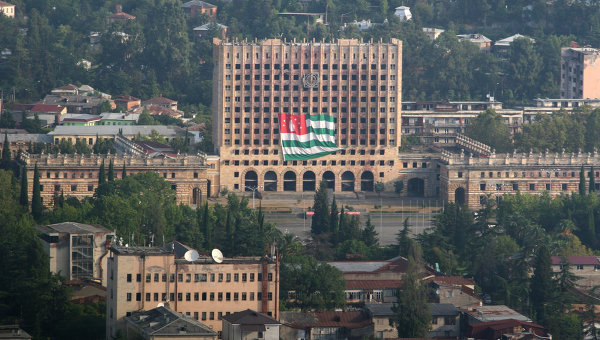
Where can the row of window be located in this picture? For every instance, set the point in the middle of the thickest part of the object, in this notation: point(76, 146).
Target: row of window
point(306, 163)
point(200, 277)
point(341, 152)
point(307, 66)
point(532, 186)
point(334, 109)
point(197, 296)
point(259, 55)
point(276, 131)
point(324, 99)
point(537, 174)
point(372, 142)
point(324, 77)
point(343, 120)
point(57, 188)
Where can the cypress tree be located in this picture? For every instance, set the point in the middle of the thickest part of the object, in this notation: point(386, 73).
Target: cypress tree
point(111, 171)
point(61, 199)
point(205, 227)
point(591, 230)
point(260, 219)
point(592, 187)
point(24, 198)
point(36, 200)
point(582, 181)
point(542, 284)
point(369, 235)
point(101, 174)
point(320, 219)
point(5, 161)
point(123, 172)
point(333, 222)
point(403, 239)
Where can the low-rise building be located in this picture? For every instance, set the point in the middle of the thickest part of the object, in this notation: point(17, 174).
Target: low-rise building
point(455, 290)
point(507, 329)
point(77, 251)
point(76, 103)
point(587, 268)
point(249, 325)
point(161, 323)
point(444, 320)
point(197, 7)
point(13, 332)
point(127, 102)
point(91, 133)
point(403, 13)
point(484, 43)
point(7, 9)
point(161, 101)
point(433, 33)
point(502, 46)
point(201, 30)
point(380, 315)
point(119, 16)
point(118, 118)
point(492, 313)
point(326, 325)
point(140, 278)
point(75, 119)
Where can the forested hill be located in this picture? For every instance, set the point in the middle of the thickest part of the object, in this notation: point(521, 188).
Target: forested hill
point(43, 46)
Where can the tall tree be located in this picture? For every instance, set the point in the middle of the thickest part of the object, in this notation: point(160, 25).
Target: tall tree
point(24, 197)
point(123, 172)
point(403, 239)
point(412, 317)
point(320, 219)
point(36, 200)
point(592, 187)
point(542, 284)
point(205, 227)
point(582, 181)
point(5, 161)
point(369, 235)
point(111, 171)
point(101, 174)
point(334, 222)
point(489, 128)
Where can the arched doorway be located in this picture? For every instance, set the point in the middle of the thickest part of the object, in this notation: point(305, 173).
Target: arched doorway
point(329, 179)
point(416, 187)
point(459, 195)
point(270, 181)
point(250, 180)
point(289, 181)
point(348, 181)
point(309, 181)
point(196, 196)
point(366, 181)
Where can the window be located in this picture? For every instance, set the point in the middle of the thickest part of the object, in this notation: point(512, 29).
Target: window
point(228, 277)
point(236, 277)
point(138, 277)
point(220, 296)
point(227, 296)
point(482, 186)
point(532, 187)
point(460, 174)
point(220, 277)
point(148, 277)
point(128, 277)
point(128, 296)
point(138, 296)
point(579, 267)
point(244, 277)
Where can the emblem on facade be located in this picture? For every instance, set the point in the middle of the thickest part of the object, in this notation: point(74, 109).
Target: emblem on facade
point(311, 80)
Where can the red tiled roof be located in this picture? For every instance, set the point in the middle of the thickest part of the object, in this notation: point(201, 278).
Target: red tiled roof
point(47, 108)
point(504, 324)
point(470, 292)
point(159, 110)
point(452, 281)
point(4, 4)
point(582, 260)
point(398, 265)
point(160, 100)
point(67, 87)
point(126, 99)
point(22, 107)
point(121, 15)
point(372, 284)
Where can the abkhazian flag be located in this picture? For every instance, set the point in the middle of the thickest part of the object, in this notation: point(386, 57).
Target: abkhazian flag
point(305, 136)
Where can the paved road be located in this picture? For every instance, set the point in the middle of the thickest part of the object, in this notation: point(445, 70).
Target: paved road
point(387, 225)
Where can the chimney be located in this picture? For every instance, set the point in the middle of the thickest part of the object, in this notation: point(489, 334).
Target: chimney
point(119, 8)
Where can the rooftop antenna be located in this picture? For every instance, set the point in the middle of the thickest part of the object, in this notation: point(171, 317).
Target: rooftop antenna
point(217, 255)
point(191, 255)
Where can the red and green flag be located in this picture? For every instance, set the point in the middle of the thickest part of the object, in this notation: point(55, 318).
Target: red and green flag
point(305, 136)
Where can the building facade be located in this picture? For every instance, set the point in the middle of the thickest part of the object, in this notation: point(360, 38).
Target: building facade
point(141, 278)
point(193, 177)
point(358, 83)
point(77, 251)
point(580, 72)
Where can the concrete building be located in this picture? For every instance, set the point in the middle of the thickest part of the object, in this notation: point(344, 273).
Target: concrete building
point(356, 82)
point(456, 290)
point(142, 277)
point(77, 251)
point(580, 72)
point(250, 325)
point(91, 133)
point(432, 32)
point(13, 332)
point(161, 323)
point(444, 320)
point(587, 268)
point(7, 9)
point(196, 7)
point(329, 325)
point(502, 46)
point(484, 43)
point(403, 13)
point(380, 314)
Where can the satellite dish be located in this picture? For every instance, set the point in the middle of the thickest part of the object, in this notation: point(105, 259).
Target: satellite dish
point(160, 305)
point(217, 255)
point(191, 255)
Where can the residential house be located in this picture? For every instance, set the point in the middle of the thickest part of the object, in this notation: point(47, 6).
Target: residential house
point(66, 89)
point(202, 30)
point(7, 9)
point(380, 314)
point(326, 325)
point(13, 332)
point(196, 7)
point(580, 73)
point(77, 103)
point(492, 313)
point(403, 13)
point(367, 291)
point(586, 267)
point(120, 16)
point(76, 119)
point(444, 320)
point(509, 329)
point(77, 251)
point(456, 290)
point(156, 110)
point(433, 33)
point(484, 43)
point(249, 325)
point(118, 118)
point(163, 323)
point(127, 102)
point(161, 101)
point(502, 46)
point(86, 291)
point(362, 25)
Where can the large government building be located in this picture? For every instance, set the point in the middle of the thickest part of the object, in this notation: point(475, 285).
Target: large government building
point(359, 83)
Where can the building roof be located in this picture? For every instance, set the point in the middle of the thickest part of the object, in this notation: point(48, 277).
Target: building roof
point(208, 26)
point(69, 87)
point(509, 40)
point(12, 331)
point(122, 15)
point(350, 319)
point(250, 320)
point(28, 137)
point(509, 325)
point(47, 108)
point(452, 281)
point(158, 110)
point(75, 117)
point(126, 99)
point(372, 284)
point(160, 100)
point(396, 264)
point(74, 100)
point(477, 38)
point(74, 228)
point(576, 260)
point(5, 4)
point(495, 313)
point(128, 130)
point(162, 321)
point(442, 309)
point(135, 251)
point(120, 116)
point(380, 309)
point(197, 3)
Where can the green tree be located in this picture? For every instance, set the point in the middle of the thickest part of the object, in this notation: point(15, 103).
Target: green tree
point(111, 171)
point(592, 186)
point(101, 174)
point(379, 188)
point(320, 219)
point(489, 128)
point(369, 235)
point(412, 317)
point(5, 161)
point(24, 197)
point(7, 120)
point(403, 239)
point(36, 200)
point(124, 171)
point(582, 190)
point(334, 222)
point(524, 67)
point(542, 284)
